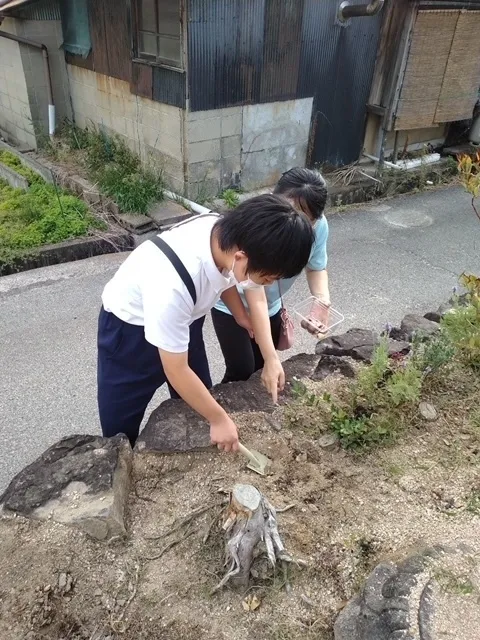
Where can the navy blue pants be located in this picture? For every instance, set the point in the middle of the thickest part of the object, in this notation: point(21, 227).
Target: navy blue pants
point(129, 371)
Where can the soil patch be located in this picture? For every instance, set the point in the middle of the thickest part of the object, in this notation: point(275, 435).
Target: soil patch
point(350, 513)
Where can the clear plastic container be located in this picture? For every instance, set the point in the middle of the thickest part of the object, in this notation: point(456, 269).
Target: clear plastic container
point(317, 318)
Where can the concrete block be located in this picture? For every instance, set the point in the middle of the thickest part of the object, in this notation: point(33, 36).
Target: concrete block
point(209, 129)
point(231, 125)
point(231, 147)
point(264, 168)
point(103, 117)
point(132, 110)
point(118, 124)
point(201, 171)
point(103, 100)
point(231, 169)
point(276, 124)
point(117, 105)
point(198, 191)
point(131, 130)
point(193, 116)
point(206, 150)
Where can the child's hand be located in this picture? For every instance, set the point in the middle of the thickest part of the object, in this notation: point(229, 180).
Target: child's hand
point(273, 377)
point(223, 433)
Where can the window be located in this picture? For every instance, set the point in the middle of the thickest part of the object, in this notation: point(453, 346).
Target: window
point(158, 32)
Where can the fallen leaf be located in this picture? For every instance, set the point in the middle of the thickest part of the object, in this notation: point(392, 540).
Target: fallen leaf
point(250, 603)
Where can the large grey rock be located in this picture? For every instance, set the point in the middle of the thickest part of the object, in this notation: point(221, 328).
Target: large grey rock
point(358, 344)
point(175, 428)
point(413, 324)
point(81, 480)
point(410, 600)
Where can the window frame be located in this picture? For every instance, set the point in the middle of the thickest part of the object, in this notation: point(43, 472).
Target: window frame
point(135, 32)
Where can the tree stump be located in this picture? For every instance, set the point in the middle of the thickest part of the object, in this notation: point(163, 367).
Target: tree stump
point(250, 521)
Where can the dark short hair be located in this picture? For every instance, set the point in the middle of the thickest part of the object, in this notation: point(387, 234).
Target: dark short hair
point(276, 238)
point(307, 188)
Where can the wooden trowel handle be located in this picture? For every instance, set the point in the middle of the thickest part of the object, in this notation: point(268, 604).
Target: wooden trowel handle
point(247, 453)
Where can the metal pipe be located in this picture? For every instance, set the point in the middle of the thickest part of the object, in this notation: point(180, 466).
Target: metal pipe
point(395, 147)
point(348, 10)
point(48, 75)
point(196, 208)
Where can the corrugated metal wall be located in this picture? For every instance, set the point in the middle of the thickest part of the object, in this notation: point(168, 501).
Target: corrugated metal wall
point(43, 10)
point(250, 51)
point(337, 69)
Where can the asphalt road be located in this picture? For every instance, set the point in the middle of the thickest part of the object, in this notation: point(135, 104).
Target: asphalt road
point(385, 260)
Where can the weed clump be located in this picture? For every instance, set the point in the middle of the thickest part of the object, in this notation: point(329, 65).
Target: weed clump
point(116, 170)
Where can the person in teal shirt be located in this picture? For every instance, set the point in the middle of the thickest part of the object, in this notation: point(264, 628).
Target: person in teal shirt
point(245, 353)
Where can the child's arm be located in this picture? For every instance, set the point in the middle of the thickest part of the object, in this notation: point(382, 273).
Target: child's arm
point(231, 298)
point(188, 385)
point(318, 284)
point(273, 376)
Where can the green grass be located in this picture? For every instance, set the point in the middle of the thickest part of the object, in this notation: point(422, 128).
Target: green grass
point(451, 583)
point(231, 198)
point(40, 215)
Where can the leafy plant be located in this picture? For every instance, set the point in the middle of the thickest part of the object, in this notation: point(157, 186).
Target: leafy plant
point(432, 354)
point(462, 324)
point(404, 385)
point(231, 198)
point(469, 170)
point(372, 376)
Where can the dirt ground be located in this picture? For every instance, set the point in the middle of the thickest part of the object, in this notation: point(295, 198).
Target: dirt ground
point(349, 513)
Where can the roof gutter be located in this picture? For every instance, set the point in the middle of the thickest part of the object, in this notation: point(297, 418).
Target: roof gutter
point(48, 76)
point(348, 10)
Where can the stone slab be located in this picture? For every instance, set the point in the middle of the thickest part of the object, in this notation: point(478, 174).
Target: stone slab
point(168, 212)
point(81, 481)
point(136, 222)
point(13, 178)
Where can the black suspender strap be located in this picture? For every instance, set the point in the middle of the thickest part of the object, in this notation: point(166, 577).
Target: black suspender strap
point(178, 264)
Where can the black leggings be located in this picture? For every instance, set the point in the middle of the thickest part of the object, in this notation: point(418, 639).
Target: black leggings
point(241, 353)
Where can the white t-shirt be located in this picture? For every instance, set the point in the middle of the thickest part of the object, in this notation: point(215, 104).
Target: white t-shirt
point(147, 290)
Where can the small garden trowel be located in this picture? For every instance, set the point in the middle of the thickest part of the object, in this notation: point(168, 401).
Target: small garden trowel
point(256, 461)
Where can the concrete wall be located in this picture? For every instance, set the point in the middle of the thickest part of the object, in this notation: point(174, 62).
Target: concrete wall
point(15, 114)
point(23, 87)
point(249, 146)
point(152, 129)
point(49, 33)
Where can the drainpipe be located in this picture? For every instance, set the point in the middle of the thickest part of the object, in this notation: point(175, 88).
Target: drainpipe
point(48, 77)
point(348, 10)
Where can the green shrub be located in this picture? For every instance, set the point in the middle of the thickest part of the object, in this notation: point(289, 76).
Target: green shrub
point(133, 192)
point(462, 324)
